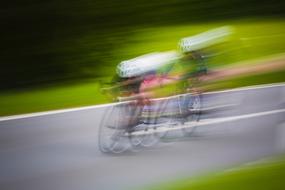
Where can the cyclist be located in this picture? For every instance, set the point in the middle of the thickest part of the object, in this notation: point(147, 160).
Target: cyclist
point(191, 58)
point(144, 83)
point(145, 71)
point(152, 71)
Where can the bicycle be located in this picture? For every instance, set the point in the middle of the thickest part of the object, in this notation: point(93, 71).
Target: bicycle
point(118, 129)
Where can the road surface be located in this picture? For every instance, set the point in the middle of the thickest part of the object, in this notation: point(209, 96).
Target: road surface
point(60, 150)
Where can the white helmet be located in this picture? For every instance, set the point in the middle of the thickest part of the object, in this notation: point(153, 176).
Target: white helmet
point(205, 39)
point(145, 63)
point(127, 69)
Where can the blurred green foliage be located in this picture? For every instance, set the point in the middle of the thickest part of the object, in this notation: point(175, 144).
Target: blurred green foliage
point(252, 38)
point(66, 95)
point(57, 40)
point(262, 176)
point(240, 81)
point(69, 95)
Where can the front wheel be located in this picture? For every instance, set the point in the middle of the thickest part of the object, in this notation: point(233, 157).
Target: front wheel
point(112, 136)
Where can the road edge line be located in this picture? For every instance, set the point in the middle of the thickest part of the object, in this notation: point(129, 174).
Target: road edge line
point(38, 114)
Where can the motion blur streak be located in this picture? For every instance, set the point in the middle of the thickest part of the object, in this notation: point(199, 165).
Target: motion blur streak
point(60, 151)
point(60, 59)
point(59, 40)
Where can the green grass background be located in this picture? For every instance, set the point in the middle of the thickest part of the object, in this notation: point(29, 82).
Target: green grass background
point(262, 176)
point(253, 39)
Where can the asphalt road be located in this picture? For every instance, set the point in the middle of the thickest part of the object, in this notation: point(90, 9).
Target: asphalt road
point(59, 151)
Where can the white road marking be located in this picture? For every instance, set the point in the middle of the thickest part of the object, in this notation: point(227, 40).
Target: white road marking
point(213, 108)
point(239, 117)
point(22, 116)
point(282, 84)
point(209, 122)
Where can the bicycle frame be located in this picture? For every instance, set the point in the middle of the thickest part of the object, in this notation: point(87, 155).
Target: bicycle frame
point(143, 120)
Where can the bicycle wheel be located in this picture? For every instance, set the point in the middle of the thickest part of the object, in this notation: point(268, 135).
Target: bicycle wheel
point(145, 134)
point(135, 140)
point(112, 136)
point(165, 116)
point(193, 112)
point(150, 138)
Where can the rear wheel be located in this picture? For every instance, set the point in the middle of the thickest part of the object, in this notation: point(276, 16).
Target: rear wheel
point(192, 117)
